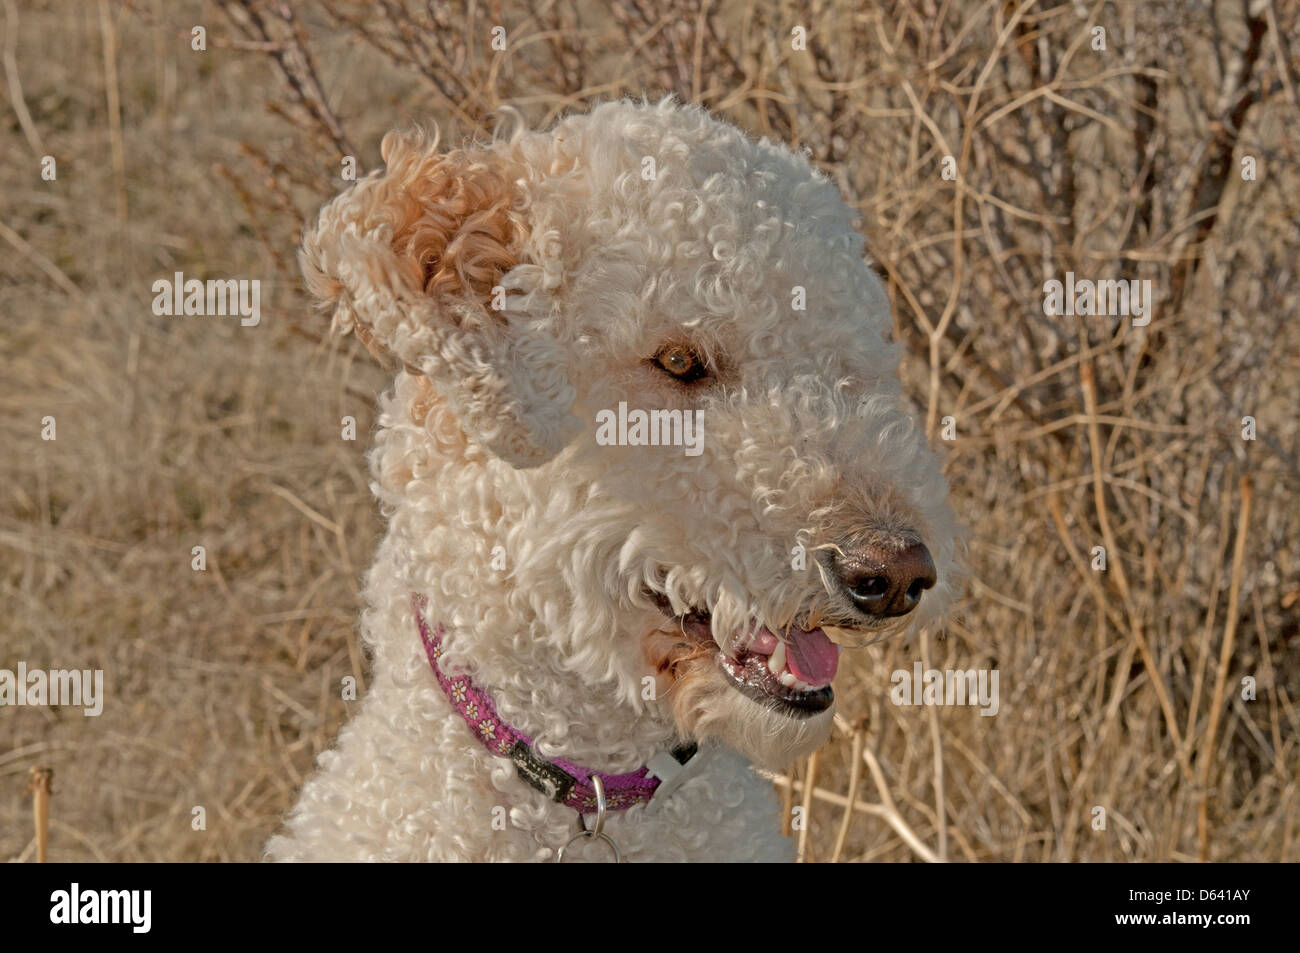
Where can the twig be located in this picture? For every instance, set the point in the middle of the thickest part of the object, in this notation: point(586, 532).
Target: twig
point(787, 809)
point(886, 813)
point(809, 786)
point(1225, 656)
point(1280, 50)
point(936, 740)
point(15, 83)
point(295, 65)
point(1088, 382)
point(855, 777)
point(887, 802)
point(44, 264)
point(113, 93)
point(40, 785)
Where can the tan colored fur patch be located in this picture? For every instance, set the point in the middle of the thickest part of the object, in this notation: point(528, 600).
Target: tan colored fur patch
point(454, 215)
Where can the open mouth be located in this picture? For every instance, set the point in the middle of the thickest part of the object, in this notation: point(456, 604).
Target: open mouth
point(793, 673)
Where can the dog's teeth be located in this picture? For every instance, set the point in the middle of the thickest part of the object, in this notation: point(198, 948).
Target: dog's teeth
point(787, 679)
point(801, 686)
point(776, 661)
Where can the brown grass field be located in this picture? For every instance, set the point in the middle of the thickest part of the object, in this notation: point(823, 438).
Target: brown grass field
point(1120, 689)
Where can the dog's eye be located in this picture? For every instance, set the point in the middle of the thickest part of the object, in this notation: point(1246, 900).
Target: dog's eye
point(681, 362)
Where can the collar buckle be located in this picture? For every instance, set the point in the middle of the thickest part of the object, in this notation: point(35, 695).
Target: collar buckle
point(547, 777)
point(673, 767)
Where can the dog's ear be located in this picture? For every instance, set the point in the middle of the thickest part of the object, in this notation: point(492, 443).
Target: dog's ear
point(411, 259)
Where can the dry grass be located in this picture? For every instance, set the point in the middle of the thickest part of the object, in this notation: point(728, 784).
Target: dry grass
point(1120, 689)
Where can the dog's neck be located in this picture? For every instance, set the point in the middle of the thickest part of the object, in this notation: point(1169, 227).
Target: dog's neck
point(522, 646)
point(542, 693)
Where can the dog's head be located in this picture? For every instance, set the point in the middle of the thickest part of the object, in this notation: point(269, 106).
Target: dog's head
point(658, 345)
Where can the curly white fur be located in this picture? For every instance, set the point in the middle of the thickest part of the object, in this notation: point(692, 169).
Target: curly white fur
point(487, 440)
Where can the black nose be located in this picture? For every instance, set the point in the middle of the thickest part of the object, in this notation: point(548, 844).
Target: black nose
point(883, 580)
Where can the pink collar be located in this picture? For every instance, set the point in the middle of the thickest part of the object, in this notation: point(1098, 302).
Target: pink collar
point(562, 781)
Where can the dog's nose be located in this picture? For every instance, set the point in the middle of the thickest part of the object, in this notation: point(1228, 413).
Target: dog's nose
point(884, 581)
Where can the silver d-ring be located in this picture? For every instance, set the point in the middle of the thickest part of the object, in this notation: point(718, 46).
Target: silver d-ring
point(597, 832)
point(601, 835)
point(599, 787)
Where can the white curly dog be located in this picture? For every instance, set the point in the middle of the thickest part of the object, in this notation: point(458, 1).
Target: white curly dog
point(646, 445)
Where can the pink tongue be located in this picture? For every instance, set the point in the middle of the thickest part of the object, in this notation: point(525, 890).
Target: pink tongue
point(812, 657)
